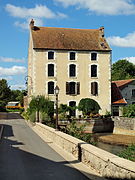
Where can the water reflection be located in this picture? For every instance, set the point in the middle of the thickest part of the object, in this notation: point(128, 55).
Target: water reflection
point(114, 149)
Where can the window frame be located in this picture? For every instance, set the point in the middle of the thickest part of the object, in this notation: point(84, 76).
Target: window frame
point(96, 56)
point(93, 65)
point(49, 64)
point(133, 92)
point(76, 88)
point(48, 87)
point(70, 72)
point(95, 90)
point(69, 53)
point(54, 56)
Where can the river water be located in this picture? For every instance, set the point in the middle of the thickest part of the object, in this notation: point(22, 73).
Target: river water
point(114, 149)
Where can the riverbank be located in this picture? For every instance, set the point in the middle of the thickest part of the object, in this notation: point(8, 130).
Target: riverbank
point(118, 139)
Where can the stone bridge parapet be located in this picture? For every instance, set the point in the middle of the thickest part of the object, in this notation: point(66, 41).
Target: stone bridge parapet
point(107, 164)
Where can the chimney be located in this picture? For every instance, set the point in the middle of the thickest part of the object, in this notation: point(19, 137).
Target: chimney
point(32, 24)
point(102, 31)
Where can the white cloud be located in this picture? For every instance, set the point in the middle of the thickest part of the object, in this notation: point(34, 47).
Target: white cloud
point(130, 59)
point(18, 86)
point(105, 7)
point(7, 77)
point(127, 41)
point(7, 59)
point(22, 12)
point(38, 13)
point(25, 25)
point(15, 70)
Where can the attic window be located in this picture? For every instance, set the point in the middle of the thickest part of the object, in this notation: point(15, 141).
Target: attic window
point(72, 56)
point(93, 56)
point(50, 55)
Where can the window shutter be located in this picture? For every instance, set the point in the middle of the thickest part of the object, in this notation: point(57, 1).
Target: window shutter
point(94, 88)
point(78, 87)
point(67, 88)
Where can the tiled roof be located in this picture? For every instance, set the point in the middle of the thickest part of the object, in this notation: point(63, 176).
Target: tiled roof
point(122, 83)
point(116, 95)
point(69, 39)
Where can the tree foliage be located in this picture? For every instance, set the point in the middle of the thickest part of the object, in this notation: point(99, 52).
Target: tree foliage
point(40, 103)
point(5, 93)
point(88, 106)
point(129, 111)
point(122, 70)
point(17, 95)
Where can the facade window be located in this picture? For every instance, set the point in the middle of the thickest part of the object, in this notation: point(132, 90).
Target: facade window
point(93, 70)
point(50, 70)
point(93, 56)
point(72, 55)
point(72, 112)
point(72, 70)
point(94, 88)
point(51, 87)
point(133, 92)
point(73, 88)
point(50, 55)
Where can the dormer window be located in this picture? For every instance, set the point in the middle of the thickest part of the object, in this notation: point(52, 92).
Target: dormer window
point(72, 56)
point(93, 56)
point(50, 55)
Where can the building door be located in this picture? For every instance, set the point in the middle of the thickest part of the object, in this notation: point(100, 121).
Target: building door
point(72, 112)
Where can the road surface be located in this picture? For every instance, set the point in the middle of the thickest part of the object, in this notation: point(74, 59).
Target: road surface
point(25, 156)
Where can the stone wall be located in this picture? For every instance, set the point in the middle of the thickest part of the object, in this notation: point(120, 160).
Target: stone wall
point(107, 164)
point(124, 123)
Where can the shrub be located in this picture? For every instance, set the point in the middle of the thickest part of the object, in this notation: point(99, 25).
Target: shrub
point(129, 111)
point(88, 106)
point(32, 117)
point(128, 153)
point(78, 132)
point(45, 118)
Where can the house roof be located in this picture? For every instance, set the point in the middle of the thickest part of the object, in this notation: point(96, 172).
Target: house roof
point(69, 39)
point(122, 83)
point(116, 96)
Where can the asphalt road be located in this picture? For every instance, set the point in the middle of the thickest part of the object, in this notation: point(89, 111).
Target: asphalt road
point(25, 156)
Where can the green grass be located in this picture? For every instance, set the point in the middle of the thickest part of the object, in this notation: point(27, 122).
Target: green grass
point(128, 153)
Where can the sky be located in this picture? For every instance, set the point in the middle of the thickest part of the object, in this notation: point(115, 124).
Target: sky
point(117, 17)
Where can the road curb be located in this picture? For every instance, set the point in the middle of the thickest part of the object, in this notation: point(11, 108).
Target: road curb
point(1, 131)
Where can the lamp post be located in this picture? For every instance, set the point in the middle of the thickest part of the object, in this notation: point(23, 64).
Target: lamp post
point(26, 83)
point(56, 91)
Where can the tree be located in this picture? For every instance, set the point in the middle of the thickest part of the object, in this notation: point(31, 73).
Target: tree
point(40, 103)
point(122, 70)
point(17, 95)
point(5, 93)
point(88, 106)
point(129, 111)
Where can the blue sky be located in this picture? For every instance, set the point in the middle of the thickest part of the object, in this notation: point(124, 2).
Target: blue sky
point(117, 16)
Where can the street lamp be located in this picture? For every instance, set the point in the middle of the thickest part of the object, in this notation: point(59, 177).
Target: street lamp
point(56, 91)
point(26, 83)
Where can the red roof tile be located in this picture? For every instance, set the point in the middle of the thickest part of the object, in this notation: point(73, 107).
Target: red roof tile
point(122, 83)
point(69, 39)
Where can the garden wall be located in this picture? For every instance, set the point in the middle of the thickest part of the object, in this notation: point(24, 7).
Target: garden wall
point(124, 123)
point(107, 164)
